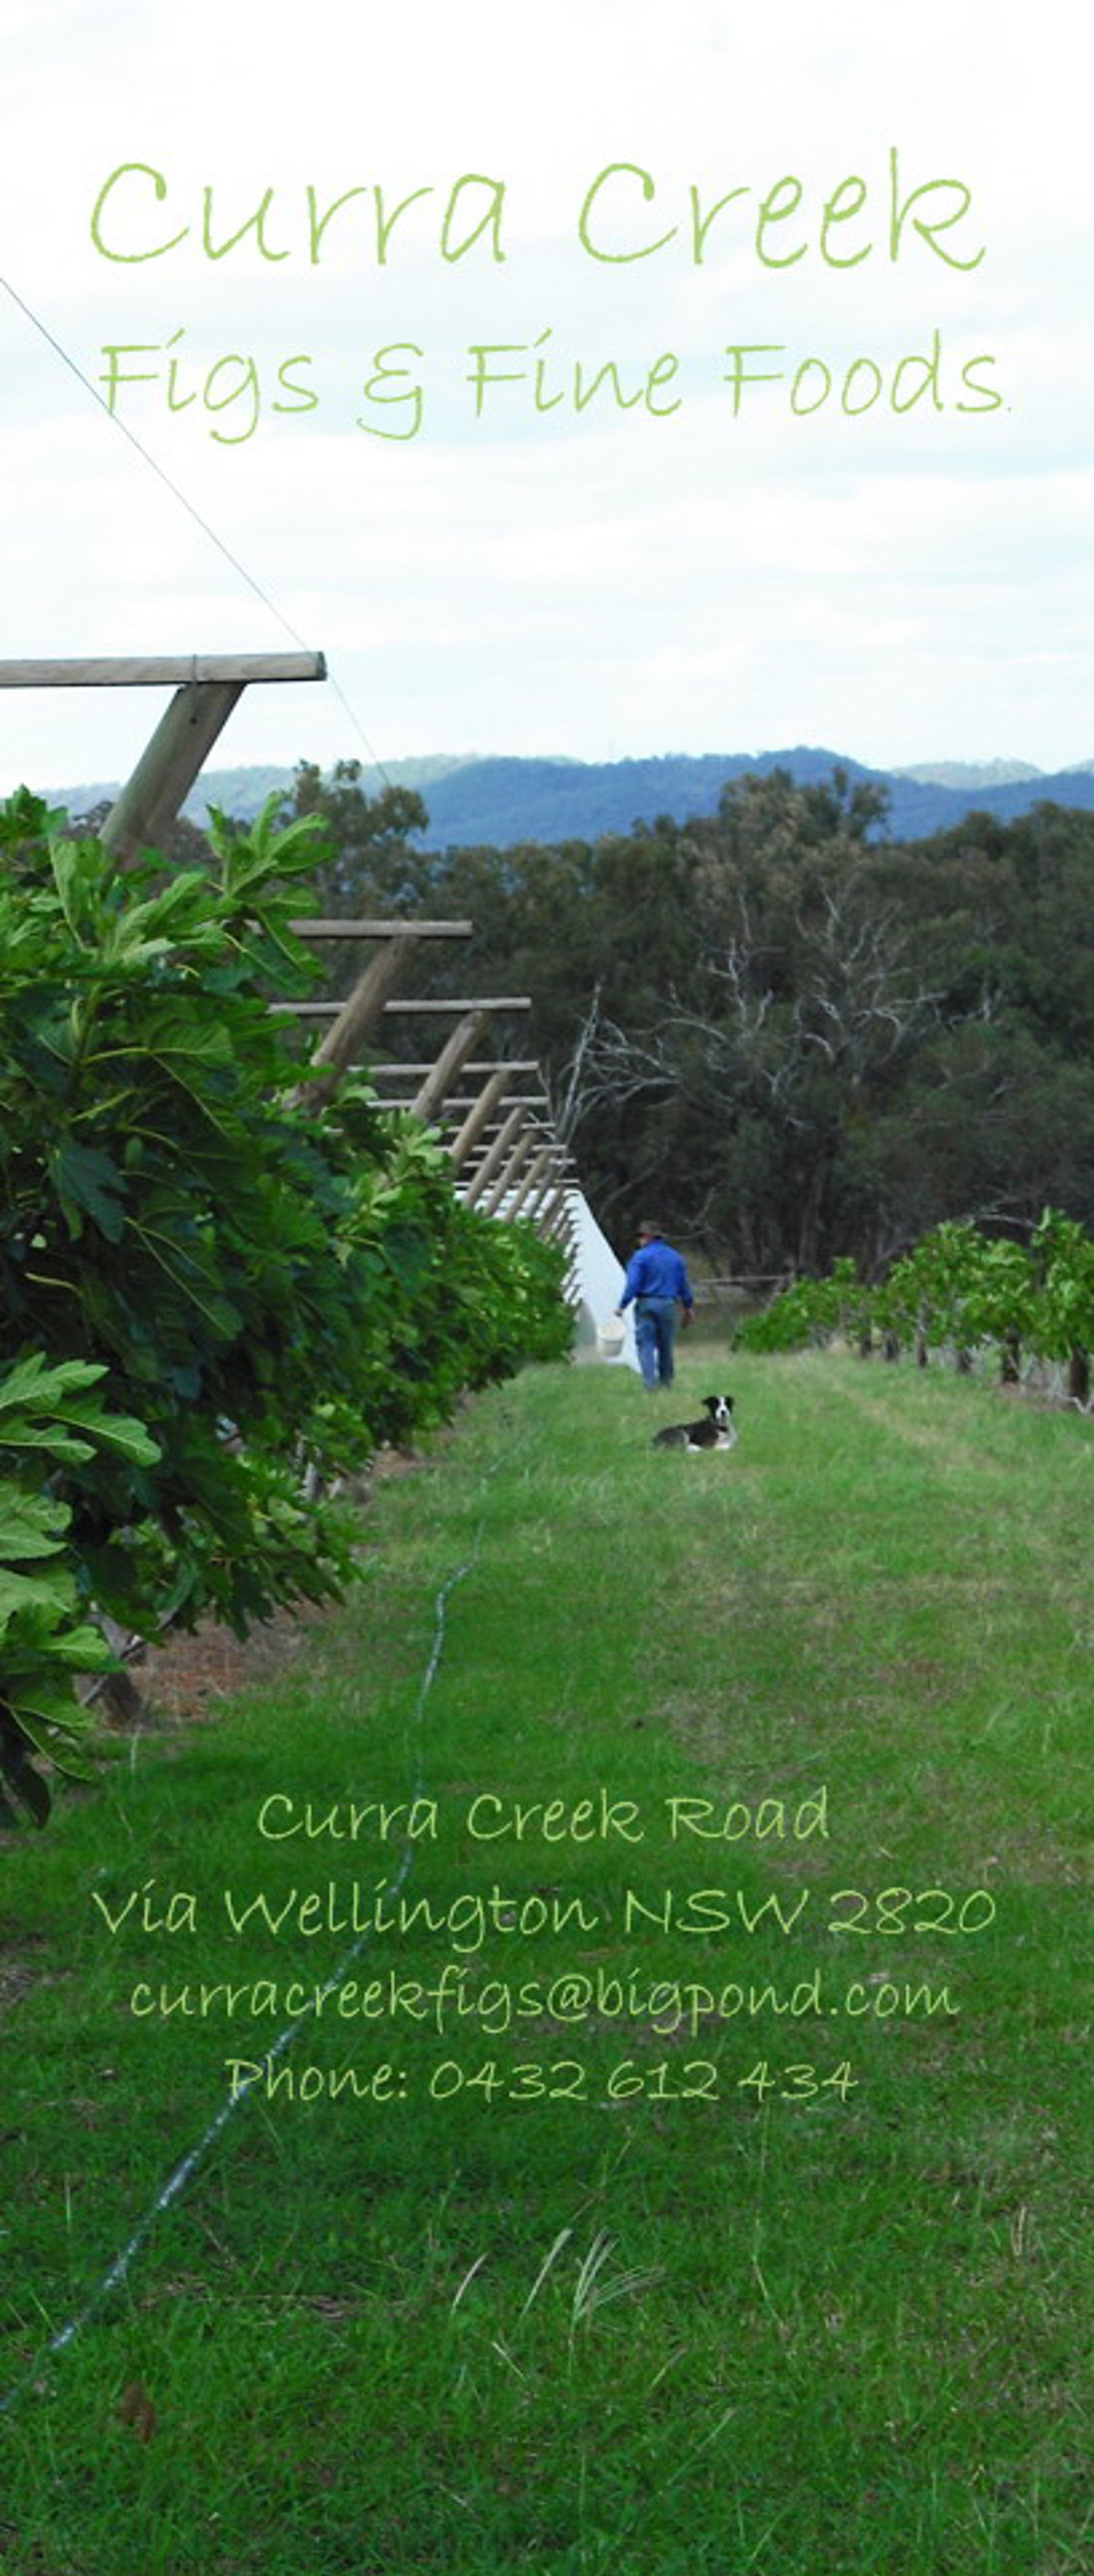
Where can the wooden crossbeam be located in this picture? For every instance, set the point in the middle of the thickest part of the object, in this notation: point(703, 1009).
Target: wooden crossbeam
point(472, 1002)
point(311, 1010)
point(469, 1100)
point(437, 1008)
point(513, 1064)
point(381, 929)
point(536, 1126)
point(560, 1163)
point(161, 670)
point(207, 686)
point(536, 1129)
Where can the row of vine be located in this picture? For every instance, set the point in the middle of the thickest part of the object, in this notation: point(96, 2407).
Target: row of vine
point(957, 1290)
point(205, 1278)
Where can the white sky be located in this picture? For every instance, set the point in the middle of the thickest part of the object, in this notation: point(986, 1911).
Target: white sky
point(896, 585)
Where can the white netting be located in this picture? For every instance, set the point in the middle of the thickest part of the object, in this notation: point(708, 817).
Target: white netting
point(597, 1288)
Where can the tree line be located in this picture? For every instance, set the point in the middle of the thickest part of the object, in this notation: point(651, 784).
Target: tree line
point(791, 1037)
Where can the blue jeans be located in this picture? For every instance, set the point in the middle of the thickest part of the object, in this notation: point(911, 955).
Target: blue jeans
point(654, 1334)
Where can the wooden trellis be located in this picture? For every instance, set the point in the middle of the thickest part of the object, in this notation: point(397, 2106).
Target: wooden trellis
point(485, 1118)
point(498, 1176)
point(206, 688)
point(506, 1150)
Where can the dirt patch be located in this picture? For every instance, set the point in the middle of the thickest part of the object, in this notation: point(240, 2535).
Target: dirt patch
point(185, 1680)
point(16, 1980)
point(18, 1973)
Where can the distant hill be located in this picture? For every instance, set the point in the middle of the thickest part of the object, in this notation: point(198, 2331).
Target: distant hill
point(970, 773)
point(243, 792)
point(495, 802)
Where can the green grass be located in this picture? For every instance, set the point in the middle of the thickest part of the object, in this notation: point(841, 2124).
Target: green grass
point(838, 2333)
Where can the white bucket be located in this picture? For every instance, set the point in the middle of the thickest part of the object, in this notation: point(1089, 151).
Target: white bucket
point(611, 1337)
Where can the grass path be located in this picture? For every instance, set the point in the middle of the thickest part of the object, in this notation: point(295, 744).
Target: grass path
point(734, 2224)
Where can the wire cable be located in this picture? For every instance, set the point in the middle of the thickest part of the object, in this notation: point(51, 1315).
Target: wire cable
point(191, 509)
point(183, 2172)
point(156, 468)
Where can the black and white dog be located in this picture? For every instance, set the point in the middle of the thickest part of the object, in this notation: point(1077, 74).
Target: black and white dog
point(717, 1432)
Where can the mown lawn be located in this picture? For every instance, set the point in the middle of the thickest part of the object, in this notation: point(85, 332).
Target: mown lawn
point(780, 2266)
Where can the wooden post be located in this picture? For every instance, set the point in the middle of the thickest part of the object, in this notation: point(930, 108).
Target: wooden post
point(479, 1117)
point(536, 1173)
point(550, 1184)
point(542, 1180)
point(165, 773)
point(449, 1065)
point(358, 1016)
point(493, 1160)
point(525, 1145)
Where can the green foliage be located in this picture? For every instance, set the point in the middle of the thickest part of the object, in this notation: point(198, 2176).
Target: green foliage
point(810, 1312)
point(50, 1423)
point(784, 1325)
point(958, 1287)
point(1063, 1259)
point(246, 1279)
point(455, 1300)
point(933, 1289)
point(799, 1316)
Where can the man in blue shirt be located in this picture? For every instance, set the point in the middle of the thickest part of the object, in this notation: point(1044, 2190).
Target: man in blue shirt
point(656, 1279)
